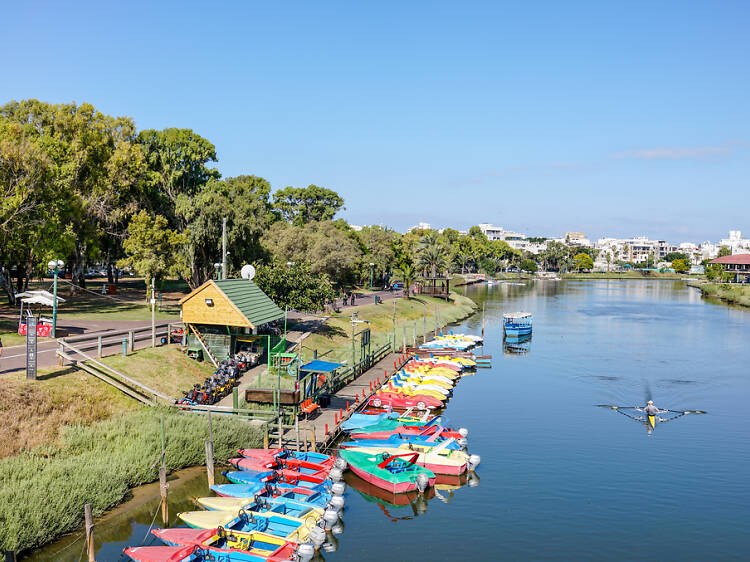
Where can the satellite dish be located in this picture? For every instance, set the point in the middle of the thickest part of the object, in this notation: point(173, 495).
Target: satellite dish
point(247, 272)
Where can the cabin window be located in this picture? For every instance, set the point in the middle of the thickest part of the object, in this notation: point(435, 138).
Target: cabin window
point(209, 302)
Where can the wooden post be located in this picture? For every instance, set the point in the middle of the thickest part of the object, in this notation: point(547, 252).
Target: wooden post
point(99, 346)
point(210, 428)
point(281, 430)
point(210, 462)
point(235, 398)
point(163, 491)
point(89, 527)
point(296, 429)
point(265, 436)
point(313, 442)
point(131, 337)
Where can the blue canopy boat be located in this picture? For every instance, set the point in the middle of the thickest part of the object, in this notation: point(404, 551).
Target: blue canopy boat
point(517, 324)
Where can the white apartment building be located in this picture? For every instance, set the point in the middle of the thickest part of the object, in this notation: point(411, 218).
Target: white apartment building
point(736, 242)
point(636, 249)
point(577, 239)
point(515, 240)
point(420, 226)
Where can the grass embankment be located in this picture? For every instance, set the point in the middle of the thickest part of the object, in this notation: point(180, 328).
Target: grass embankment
point(731, 293)
point(34, 413)
point(166, 369)
point(42, 492)
point(334, 338)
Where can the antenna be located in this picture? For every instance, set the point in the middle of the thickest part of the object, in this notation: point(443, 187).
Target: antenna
point(247, 272)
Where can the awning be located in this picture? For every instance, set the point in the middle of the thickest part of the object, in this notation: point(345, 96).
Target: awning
point(44, 298)
point(318, 366)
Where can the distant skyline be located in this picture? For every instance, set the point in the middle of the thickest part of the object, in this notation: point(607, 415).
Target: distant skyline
point(615, 119)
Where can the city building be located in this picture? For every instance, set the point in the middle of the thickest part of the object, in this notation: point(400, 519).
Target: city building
point(420, 226)
point(515, 240)
point(577, 239)
point(736, 243)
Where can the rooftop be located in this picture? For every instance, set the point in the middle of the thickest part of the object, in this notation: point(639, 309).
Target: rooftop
point(734, 259)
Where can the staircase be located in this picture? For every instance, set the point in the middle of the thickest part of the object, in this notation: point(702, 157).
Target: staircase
point(201, 341)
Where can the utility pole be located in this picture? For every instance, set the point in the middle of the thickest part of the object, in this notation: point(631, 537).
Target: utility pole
point(153, 315)
point(224, 248)
point(394, 323)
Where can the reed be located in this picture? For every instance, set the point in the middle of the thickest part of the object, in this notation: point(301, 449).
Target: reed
point(42, 492)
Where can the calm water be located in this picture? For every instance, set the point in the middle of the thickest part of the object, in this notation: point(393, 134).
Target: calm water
point(561, 478)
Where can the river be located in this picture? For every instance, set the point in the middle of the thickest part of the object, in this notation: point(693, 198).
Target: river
point(560, 477)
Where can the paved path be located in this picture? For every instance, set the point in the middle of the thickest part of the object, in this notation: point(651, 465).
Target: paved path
point(14, 358)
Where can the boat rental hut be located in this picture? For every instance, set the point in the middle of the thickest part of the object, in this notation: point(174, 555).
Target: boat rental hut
point(224, 317)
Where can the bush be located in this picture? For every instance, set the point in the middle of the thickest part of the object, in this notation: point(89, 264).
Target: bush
point(42, 493)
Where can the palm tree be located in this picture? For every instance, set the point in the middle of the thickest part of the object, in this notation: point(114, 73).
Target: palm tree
point(431, 254)
point(407, 274)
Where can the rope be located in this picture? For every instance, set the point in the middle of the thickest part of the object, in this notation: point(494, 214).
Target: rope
point(66, 547)
point(158, 506)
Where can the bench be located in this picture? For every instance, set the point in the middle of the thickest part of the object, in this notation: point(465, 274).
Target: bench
point(308, 406)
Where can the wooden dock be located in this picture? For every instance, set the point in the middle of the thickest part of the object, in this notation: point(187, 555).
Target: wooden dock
point(322, 426)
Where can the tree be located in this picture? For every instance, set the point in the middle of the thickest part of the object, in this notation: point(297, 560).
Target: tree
point(583, 261)
point(295, 286)
point(301, 205)
point(725, 251)
point(153, 250)
point(555, 254)
point(406, 274)
point(671, 256)
point(378, 244)
point(529, 265)
point(431, 255)
point(680, 265)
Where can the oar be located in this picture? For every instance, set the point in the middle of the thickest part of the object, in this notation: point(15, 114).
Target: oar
point(686, 412)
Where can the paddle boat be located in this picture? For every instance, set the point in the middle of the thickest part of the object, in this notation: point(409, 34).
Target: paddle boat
point(318, 498)
point(286, 507)
point(288, 528)
point(362, 420)
point(221, 542)
point(397, 440)
point(443, 433)
point(267, 551)
point(234, 519)
point(439, 459)
point(281, 476)
point(388, 424)
point(249, 463)
point(403, 402)
point(517, 324)
point(395, 473)
point(284, 453)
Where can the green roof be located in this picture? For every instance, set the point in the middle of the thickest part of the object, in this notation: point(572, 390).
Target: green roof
point(253, 303)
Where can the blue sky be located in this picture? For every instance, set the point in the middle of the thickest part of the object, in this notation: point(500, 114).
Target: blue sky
point(618, 118)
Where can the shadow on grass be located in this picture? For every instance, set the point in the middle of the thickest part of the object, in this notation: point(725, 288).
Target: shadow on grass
point(55, 374)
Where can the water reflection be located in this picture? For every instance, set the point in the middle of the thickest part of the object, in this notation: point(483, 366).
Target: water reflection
point(407, 506)
point(517, 345)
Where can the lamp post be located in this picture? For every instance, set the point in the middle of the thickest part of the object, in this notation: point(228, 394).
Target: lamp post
point(219, 273)
point(355, 321)
point(55, 265)
point(372, 266)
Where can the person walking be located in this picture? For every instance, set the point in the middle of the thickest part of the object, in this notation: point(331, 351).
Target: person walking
point(1, 347)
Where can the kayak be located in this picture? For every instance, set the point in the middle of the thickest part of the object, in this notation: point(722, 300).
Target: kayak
point(394, 473)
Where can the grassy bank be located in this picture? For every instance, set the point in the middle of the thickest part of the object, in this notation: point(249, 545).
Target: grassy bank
point(624, 275)
point(42, 492)
point(728, 292)
point(334, 337)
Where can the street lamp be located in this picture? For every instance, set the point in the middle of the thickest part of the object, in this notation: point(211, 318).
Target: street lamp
point(372, 265)
point(55, 265)
point(355, 321)
point(219, 272)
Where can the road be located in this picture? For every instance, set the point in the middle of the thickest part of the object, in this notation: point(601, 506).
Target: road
point(14, 358)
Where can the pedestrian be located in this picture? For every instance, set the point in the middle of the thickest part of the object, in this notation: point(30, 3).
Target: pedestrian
point(353, 298)
point(1, 347)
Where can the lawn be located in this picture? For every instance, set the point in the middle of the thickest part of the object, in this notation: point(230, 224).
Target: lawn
point(165, 369)
point(333, 341)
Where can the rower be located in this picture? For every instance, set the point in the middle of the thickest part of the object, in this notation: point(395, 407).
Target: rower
point(650, 409)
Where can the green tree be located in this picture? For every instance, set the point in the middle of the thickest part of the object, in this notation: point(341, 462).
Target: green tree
point(529, 265)
point(725, 251)
point(431, 254)
point(680, 265)
point(295, 286)
point(378, 243)
point(671, 256)
point(153, 250)
point(555, 255)
point(406, 273)
point(583, 261)
point(301, 205)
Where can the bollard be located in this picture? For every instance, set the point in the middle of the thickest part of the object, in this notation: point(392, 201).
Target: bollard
point(124, 347)
point(99, 346)
point(356, 399)
point(132, 340)
point(163, 491)
point(89, 528)
point(335, 418)
point(326, 429)
point(347, 406)
point(341, 414)
point(209, 462)
point(370, 386)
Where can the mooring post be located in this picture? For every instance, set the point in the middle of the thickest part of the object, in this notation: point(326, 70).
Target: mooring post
point(296, 429)
point(89, 527)
point(313, 441)
point(265, 435)
point(99, 346)
point(163, 491)
point(210, 462)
